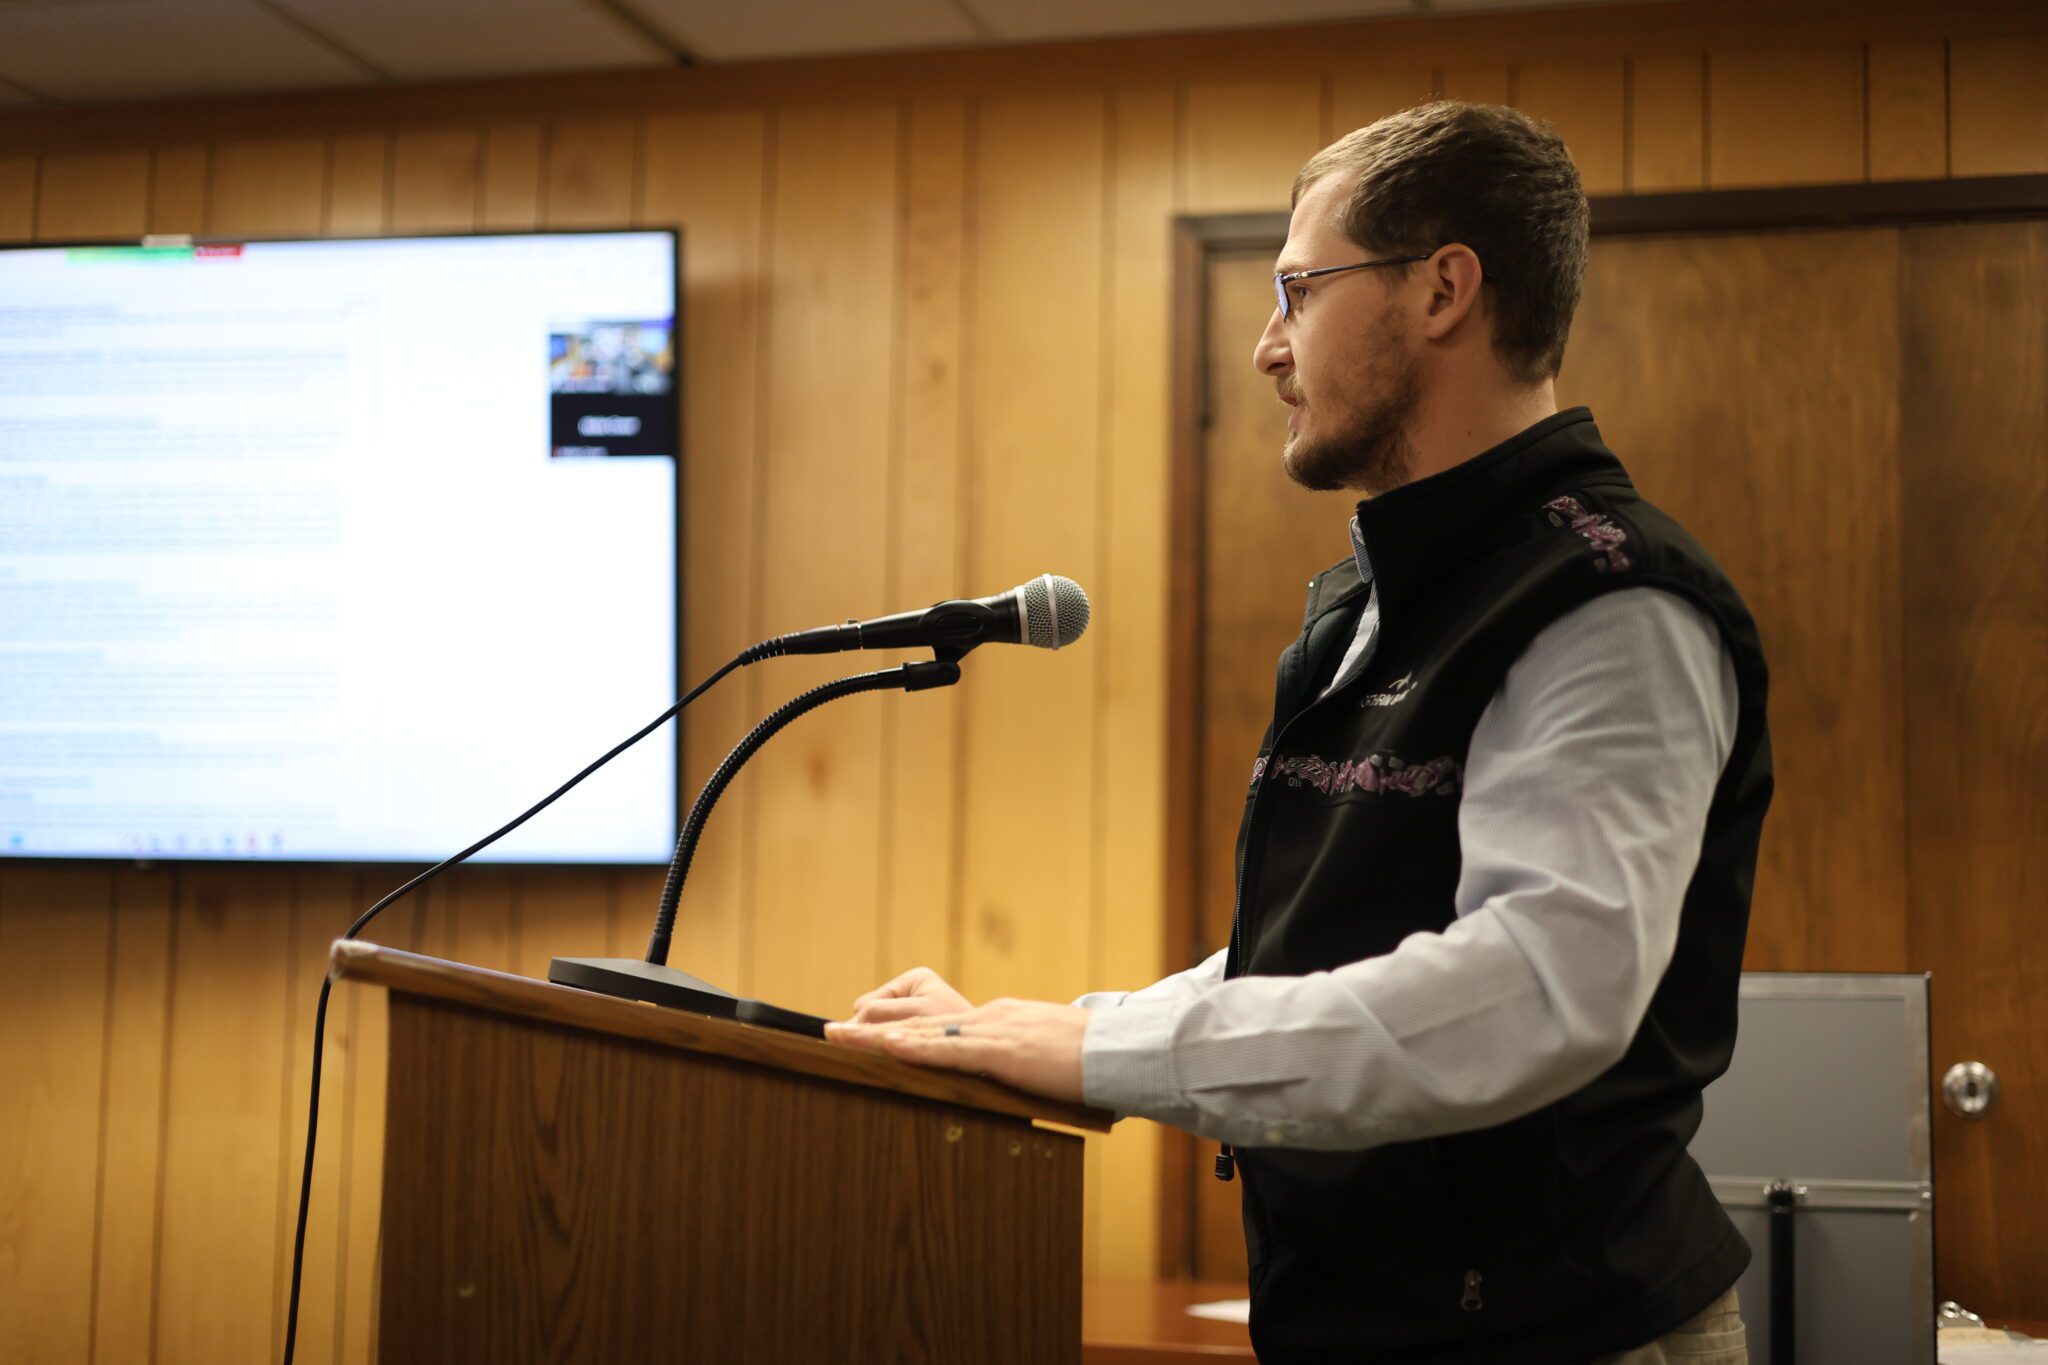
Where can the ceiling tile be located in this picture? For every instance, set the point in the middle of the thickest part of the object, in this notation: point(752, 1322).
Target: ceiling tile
point(128, 49)
point(718, 30)
point(1054, 19)
point(448, 39)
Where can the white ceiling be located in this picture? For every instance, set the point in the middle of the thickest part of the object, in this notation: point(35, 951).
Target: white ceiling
point(70, 51)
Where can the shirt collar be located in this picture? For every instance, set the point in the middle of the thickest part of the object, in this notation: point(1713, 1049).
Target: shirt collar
point(1359, 555)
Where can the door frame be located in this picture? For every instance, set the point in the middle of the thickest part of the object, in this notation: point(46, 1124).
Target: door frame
point(1197, 239)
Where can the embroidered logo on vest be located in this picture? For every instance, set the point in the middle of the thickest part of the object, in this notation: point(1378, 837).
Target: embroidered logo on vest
point(1599, 532)
point(1373, 773)
point(1396, 690)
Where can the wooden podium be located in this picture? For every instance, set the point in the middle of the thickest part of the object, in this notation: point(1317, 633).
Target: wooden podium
point(569, 1177)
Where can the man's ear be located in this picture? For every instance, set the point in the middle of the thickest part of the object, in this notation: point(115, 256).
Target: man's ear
point(1454, 276)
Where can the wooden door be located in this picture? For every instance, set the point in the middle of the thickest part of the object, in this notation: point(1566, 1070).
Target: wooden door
point(1855, 423)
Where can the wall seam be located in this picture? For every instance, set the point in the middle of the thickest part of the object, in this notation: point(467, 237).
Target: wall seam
point(163, 1098)
point(757, 568)
point(99, 1189)
point(963, 502)
point(892, 553)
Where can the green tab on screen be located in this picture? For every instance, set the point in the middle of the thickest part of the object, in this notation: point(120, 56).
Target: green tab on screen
point(84, 255)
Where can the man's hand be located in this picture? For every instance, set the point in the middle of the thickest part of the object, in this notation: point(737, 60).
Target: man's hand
point(919, 991)
point(1034, 1045)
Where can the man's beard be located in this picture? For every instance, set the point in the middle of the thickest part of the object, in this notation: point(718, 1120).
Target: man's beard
point(1372, 454)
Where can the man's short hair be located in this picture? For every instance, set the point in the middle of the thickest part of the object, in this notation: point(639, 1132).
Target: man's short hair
point(1486, 176)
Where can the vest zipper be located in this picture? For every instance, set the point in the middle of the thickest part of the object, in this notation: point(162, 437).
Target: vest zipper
point(1226, 1159)
point(1470, 1300)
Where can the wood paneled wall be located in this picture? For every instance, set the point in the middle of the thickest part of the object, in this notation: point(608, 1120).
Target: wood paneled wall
point(925, 353)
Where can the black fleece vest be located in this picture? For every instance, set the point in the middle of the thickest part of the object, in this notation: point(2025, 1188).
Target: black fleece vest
point(1583, 1227)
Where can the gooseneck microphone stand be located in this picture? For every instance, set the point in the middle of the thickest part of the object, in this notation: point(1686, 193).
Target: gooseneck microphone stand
point(651, 978)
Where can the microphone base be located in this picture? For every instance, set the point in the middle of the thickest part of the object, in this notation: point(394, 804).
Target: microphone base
point(630, 978)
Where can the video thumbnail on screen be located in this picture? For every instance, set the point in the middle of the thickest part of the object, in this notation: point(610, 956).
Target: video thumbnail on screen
point(611, 388)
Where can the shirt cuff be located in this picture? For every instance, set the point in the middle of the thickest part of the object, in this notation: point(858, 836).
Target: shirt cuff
point(1127, 1063)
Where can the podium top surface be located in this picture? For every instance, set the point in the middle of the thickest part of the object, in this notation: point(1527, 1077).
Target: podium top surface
point(479, 988)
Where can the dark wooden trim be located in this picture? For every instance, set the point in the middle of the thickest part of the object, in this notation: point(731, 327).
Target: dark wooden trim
point(1572, 33)
point(1196, 240)
point(1177, 1164)
point(1821, 206)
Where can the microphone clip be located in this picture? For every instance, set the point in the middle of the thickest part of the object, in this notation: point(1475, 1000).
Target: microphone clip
point(943, 670)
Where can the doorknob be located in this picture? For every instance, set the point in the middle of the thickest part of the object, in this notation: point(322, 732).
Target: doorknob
point(1970, 1090)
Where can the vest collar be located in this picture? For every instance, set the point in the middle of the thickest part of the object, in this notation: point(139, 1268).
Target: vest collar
point(1407, 538)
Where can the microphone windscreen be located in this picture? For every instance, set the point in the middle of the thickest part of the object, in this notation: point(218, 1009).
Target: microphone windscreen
point(1055, 611)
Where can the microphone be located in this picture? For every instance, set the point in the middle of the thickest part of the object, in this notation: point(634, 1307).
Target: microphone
point(1049, 612)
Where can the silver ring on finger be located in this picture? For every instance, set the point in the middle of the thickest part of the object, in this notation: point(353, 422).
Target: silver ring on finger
point(952, 1030)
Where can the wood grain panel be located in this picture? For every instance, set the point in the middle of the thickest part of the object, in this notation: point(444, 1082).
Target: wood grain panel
point(365, 1041)
point(271, 188)
point(1754, 99)
point(832, 253)
point(17, 198)
point(363, 1044)
point(1795, 491)
point(562, 912)
point(511, 177)
point(1908, 113)
point(1667, 123)
point(634, 898)
point(705, 174)
point(1035, 356)
point(224, 1106)
point(1587, 102)
point(591, 164)
point(434, 177)
point(54, 928)
point(478, 919)
point(1975, 480)
point(131, 1129)
point(925, 551)
point(177, 190)
point(896, 1230)
point(359, 185)
point(1487, 84)
point(323, 904)
point(1998, 105)
point(1129, 644)
point(89, 196)
point(1359, 98)
point(1243, 143)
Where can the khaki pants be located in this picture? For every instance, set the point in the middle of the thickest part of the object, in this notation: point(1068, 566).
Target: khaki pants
point(1715, 1337)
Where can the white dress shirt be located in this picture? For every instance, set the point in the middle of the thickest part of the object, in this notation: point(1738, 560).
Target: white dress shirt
point(1585, 799)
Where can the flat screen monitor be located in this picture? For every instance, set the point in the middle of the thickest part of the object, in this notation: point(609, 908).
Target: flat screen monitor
point(338, 551)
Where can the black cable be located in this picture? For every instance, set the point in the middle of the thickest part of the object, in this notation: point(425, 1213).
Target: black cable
point(768, 649)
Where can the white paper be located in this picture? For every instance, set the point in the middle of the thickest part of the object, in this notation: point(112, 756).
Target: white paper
point(1223, 1310)
point(1986, 1346)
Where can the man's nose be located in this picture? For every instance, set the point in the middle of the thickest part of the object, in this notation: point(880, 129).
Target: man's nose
point(1272, 355)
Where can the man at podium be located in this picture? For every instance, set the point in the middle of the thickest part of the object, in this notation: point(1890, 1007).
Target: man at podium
point(1497, 850)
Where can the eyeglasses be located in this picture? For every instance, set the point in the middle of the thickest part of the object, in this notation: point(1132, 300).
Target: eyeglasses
point(1280, 282)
